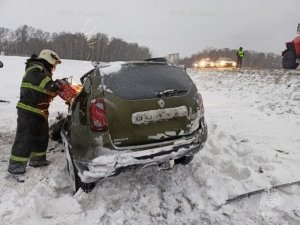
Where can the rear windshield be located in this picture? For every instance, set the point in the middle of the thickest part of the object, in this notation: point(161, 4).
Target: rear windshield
point(143, 81)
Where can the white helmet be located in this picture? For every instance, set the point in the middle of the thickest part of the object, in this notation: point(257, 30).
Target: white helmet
point(50, 56)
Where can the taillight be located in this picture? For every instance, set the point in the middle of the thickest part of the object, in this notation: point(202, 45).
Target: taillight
point(97, 115)
point(200, 103)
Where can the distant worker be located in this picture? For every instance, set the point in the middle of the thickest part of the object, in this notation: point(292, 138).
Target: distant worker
point(239, 57)
point(37, 91)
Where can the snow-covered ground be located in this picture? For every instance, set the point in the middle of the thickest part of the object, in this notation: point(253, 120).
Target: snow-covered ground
point(254, 142)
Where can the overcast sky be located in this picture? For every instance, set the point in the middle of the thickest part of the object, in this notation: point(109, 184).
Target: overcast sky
point(166, 26)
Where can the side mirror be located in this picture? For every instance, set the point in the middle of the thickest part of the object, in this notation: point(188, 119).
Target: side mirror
point(298, 29)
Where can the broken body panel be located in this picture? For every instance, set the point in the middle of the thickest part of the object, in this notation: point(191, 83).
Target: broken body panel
point(149, 117)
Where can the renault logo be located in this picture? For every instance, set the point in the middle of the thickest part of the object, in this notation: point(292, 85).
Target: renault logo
point(161, 103)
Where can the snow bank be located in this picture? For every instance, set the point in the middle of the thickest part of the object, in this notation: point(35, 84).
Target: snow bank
point(254, 125)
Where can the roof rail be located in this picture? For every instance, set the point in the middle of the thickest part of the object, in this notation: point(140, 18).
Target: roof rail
point(158, 59)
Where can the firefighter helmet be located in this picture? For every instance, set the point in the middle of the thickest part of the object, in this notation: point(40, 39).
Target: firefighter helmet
point(50, 56)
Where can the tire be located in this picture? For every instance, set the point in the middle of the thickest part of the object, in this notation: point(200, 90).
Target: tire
point(1, 64)
point(289, 60)
point(184, 160)
point(76, 181)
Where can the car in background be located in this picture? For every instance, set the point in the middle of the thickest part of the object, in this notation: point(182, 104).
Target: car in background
point(129, 115)
point(204, 63)
point(225, 62)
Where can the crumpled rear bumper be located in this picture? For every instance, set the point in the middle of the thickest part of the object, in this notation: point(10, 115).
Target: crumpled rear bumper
point(109, 165)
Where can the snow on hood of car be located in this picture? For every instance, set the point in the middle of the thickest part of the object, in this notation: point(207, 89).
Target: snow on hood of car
point(112, 67)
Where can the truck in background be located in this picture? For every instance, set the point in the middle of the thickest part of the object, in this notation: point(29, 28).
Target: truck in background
point(291, 55)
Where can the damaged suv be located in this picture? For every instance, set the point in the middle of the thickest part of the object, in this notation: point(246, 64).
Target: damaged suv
point(132, 114)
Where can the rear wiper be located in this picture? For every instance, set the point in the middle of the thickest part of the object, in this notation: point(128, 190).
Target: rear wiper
point(170, 92)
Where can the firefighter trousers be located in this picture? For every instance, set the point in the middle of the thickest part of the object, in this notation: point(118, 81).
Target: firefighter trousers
point(31, 142)
point(239, 62)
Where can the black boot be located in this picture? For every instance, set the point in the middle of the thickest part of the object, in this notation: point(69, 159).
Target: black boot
point(16, 167)
point(38, 161)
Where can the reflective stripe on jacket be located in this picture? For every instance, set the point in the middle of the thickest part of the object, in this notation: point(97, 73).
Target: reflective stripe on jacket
point(241, 53)
point(32, 109)
point(36, 90)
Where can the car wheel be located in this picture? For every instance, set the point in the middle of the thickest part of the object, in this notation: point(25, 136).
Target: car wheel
point(76, 181)
point(1, 64)
point(289, 60)
point(184, 160)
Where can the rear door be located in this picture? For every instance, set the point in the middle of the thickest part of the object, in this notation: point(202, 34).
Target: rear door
point(148, 103)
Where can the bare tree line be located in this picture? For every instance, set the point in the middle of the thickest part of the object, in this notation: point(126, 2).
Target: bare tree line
point(26, 40)
point(252, 59)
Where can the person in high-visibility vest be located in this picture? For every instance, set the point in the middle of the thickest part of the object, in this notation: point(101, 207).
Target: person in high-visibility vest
point(37, 91)
point(239, 57)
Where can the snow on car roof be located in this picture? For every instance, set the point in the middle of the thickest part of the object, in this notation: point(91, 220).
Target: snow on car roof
point(111, 67)
point(115, 67)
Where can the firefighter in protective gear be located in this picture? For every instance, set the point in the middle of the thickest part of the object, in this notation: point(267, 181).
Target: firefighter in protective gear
point(37, 91)
point(239, 57)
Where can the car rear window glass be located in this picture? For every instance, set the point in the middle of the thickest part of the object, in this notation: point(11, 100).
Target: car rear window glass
point(143, 81)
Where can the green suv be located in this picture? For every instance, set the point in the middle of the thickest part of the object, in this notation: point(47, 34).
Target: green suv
point(132, 114)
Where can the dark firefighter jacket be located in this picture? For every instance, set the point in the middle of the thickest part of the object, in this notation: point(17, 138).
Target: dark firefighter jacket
point(37, 88)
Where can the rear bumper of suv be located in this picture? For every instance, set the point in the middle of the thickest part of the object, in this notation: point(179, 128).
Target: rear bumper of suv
point(110, 165)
